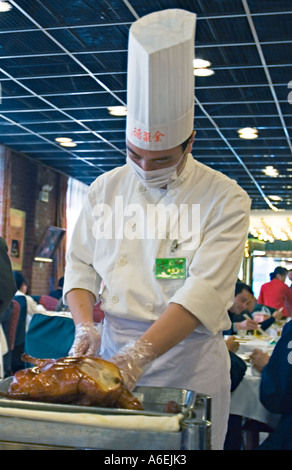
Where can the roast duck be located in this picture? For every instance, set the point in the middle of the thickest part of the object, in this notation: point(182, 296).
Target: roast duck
point(88, 381)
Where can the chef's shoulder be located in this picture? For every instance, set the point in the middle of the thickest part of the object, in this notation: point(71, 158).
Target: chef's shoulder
point(111, 180)
point(220, 186)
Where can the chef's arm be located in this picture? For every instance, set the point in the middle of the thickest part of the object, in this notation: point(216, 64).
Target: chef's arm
point(87, 333)
point(174, 325)
point(81, 303)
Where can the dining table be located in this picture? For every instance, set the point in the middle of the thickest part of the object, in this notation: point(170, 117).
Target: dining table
point(245, 399)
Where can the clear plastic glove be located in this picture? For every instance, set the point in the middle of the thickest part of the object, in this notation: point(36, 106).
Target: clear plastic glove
point(87, 340)
point(132, 360)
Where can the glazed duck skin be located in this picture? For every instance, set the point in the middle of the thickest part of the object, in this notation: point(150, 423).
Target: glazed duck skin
point(82, 380)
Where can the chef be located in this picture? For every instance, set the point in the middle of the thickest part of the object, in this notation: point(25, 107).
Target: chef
point(164, 234)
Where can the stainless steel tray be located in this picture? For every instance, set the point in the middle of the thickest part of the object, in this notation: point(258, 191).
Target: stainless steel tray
point(194, 433)
point(153, 399)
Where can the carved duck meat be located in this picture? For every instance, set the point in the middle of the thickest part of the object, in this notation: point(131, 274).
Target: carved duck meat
point(89, 381)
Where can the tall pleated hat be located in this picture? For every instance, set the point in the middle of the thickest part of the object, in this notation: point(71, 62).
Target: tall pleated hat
point(160, 88)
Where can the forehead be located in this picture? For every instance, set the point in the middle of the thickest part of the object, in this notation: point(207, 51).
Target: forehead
point(151, 154)
point(245, 295)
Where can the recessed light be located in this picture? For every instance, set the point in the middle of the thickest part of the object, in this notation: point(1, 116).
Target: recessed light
point(248, 136)
point(203, 72)
point(248, 133)
point(5, 6)
point(275, 198)
point(63, 139)
point(45, 260)
point(251, 130)
point(68, 144)
point(271, 171)
point(200, 63)
point(117, 110)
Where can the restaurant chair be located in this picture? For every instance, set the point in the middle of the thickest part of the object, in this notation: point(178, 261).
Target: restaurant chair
point(18, 350)
point(251, 430)
point(13, 324)
point(50, 303)
point(49, 337)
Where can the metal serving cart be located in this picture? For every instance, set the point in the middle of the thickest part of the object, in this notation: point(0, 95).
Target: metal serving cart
point(194, 431)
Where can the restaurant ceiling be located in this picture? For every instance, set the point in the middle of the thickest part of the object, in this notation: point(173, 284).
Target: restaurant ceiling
point(63, 63)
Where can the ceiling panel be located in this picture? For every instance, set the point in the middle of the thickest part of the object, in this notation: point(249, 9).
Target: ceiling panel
point(64, 63)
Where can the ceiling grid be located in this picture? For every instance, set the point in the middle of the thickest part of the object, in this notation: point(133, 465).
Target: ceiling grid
point(64, 63)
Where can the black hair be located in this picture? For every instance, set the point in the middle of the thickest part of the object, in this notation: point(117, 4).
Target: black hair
point(19, 279)
point(278, 270)
point(186, 142)
point(240, 286)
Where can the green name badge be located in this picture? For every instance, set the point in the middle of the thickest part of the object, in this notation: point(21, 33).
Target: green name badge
point(170, 268)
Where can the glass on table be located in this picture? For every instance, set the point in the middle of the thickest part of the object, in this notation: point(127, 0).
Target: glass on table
point(241, 333)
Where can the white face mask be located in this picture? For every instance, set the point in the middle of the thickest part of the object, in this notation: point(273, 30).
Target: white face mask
point(155, 178)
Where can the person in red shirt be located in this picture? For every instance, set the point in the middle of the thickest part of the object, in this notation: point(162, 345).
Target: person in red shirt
point(290, 277)
point(276, 293)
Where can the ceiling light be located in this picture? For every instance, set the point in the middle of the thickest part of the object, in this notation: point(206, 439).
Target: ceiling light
point(251, 130)
point(63, 139)
point(271, 171)
point(68, 144)
point(200, 68)
point(248, 133)
point(45, 260)
point(200, 63)
point(203, 72)
point(5, 6)
point(248, 136)
point(275, 198)
point(258, 252)
point(117, 110)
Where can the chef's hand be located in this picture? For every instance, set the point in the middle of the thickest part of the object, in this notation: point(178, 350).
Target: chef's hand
point(132, 360)
point(87, 340)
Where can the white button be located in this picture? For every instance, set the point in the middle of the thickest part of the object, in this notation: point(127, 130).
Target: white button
point(141, 188)
point(115, 299)
point(122, 261)
point(149, 307)
point(171, 192)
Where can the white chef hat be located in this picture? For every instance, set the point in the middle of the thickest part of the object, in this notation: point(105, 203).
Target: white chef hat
point(160, 90)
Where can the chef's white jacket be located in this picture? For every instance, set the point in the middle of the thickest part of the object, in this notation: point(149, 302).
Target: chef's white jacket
point(101, 248)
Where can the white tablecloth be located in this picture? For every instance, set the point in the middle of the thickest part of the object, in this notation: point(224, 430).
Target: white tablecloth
point(249, 343)
point(3, 350)
point(245, 400)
